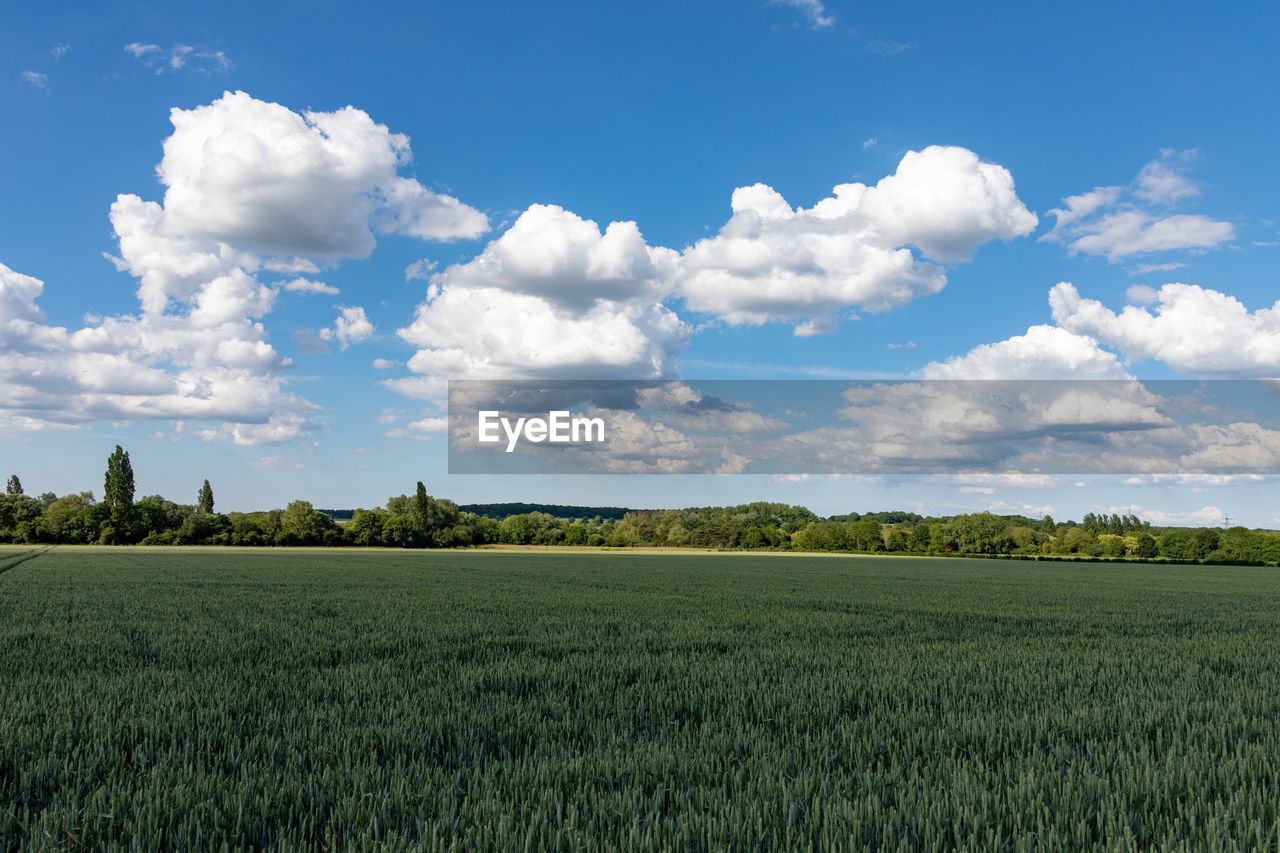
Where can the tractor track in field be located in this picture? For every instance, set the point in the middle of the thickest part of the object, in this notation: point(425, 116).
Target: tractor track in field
point(19, 559)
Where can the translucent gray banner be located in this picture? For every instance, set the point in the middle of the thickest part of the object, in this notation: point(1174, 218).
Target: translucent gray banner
point(864, 427)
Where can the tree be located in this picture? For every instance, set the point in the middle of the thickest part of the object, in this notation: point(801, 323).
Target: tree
point(753, 538)
point(302, 524)
point(59, 513)
point(515, 530)
point(422, 510)
point(204, 502)
point(202, 529)
point(399, 532)
point(365, 527)
point(119, 492)
point(866, 535)
point(400, 505)
point(14, 486)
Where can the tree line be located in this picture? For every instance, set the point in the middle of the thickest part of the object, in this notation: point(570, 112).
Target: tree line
point(421, 520)
point(417, 521)
point(782, 527)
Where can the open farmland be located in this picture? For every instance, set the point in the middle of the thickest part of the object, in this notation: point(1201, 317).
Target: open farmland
point(219, 698)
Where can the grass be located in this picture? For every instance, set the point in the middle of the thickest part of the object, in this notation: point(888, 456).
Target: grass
point(278, 699)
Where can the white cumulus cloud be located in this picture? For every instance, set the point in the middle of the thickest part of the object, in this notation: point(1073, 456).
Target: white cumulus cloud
point(557, 295)
point(553, 253)
point(211, 364)
point(1044, 352)
point(252, 188)
point(771, 261)
point(1192, 329)
point(489, 332)
point(256, 174)
point(554, 295)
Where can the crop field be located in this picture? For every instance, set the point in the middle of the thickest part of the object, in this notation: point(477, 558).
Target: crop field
point(210, 699)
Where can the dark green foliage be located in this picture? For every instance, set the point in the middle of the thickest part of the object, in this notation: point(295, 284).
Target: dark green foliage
point(422, 509)
point(14, 486)
point(204, 501)
point(365, 527)
point(203, 529)
point(822, 536)
point(1184, 544)
point(866, 535)
point(504, 510)
point(357, 700)
point(399, 531)
point(892, 517)
point(301, 524)
point(118, 495)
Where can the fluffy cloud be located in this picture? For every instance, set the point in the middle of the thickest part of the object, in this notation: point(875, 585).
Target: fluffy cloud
point(488, 332)
point(351, 327)
point(554, 295)
point(212, 364)
point(552, 253)
point(253, 188)
point(18, 294)
point(1193, 329)
point(1044, 352)
point(771, 261)
point(1111, 221)
point(203, 367)
point(256, 174)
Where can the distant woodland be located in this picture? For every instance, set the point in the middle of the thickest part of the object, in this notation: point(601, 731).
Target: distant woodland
point(421, 520)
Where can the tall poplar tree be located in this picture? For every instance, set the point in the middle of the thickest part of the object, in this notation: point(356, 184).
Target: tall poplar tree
point(204, 502)
point(119, 491)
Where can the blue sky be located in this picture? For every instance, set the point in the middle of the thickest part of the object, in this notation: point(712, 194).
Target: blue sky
point(492, 146)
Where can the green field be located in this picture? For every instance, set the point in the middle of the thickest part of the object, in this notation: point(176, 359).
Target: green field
point(210, 698)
